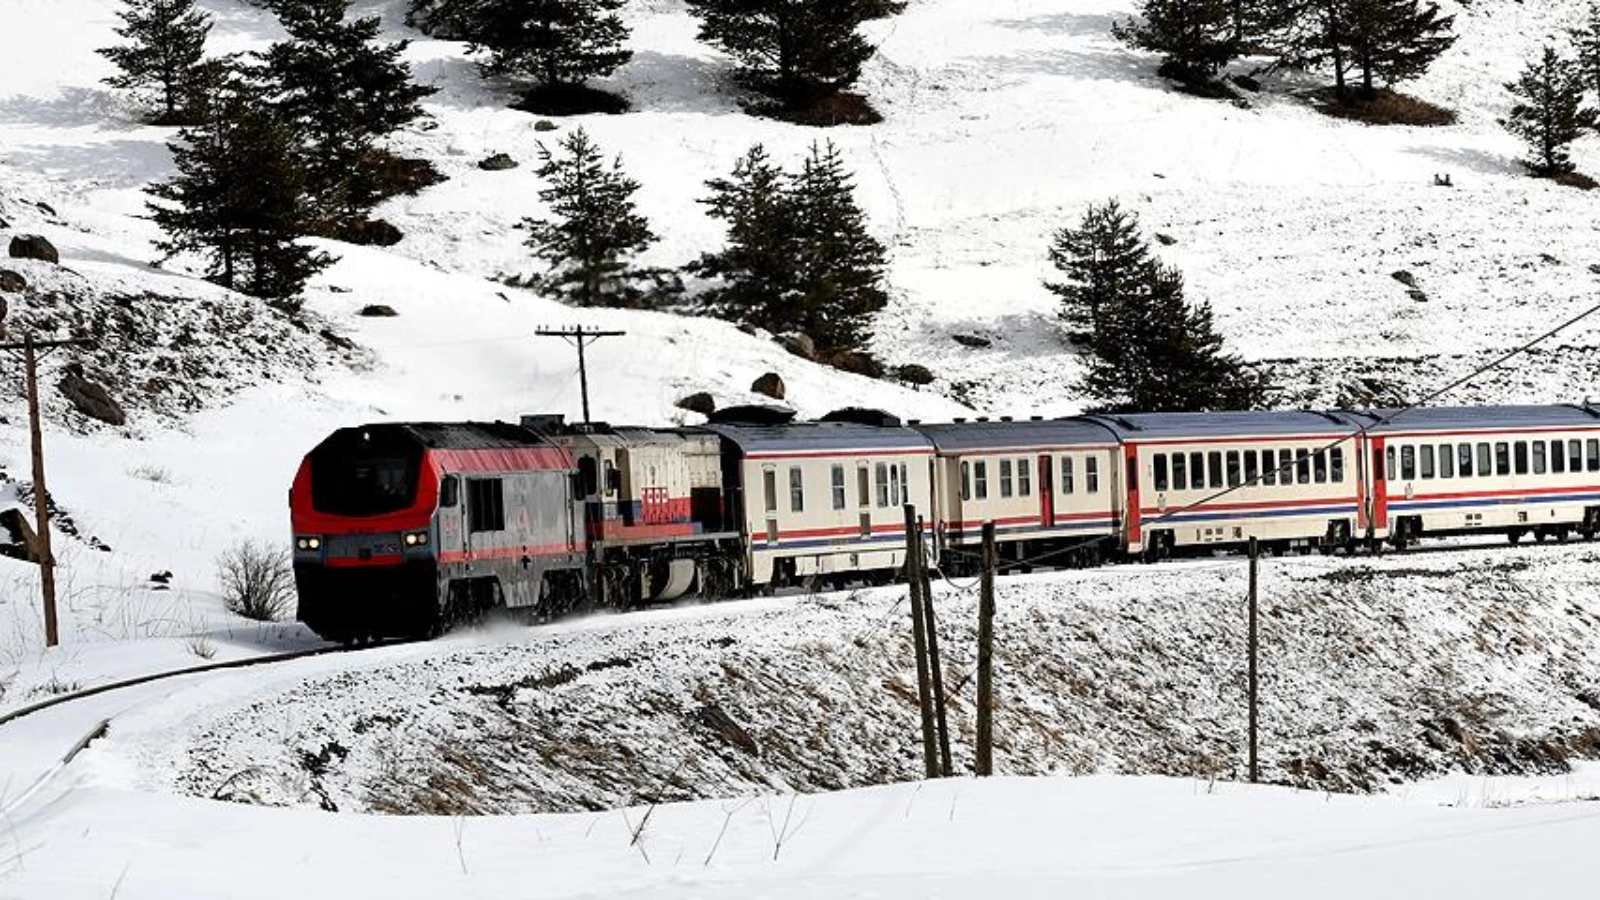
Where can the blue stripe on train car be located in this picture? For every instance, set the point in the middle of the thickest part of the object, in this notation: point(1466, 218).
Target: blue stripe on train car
point(1156, 520)
point(1403, 505)
point(1085, 525)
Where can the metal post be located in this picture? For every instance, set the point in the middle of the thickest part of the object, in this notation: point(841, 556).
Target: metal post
point(985, 756)
point(935, 668)
point(583, 375)
point(1255, 556)
point(919, 642)
point(41, 496)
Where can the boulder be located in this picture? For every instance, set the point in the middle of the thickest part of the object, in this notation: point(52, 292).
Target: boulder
point(1405, 278)
point(702, 403)
point(1166, 240)
point(378, 311)
point(914, 373)
point(89, 398)
point(770, 385)
point(12, 282)
point(497, 163)
point(1247, 83)
point(373, 233)
point(1417, 295)
point(544, 125)
point(33, 246)
point(800, 345)
point(2, 315)
point(45, 208)
point(972, 340)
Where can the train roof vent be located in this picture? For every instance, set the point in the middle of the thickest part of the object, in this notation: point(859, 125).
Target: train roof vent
point(961, 420)
point(753, 414)
point(1005, 418)
point(1036, 418)
point(545, 423)
point(982, 419)
point(859, 415)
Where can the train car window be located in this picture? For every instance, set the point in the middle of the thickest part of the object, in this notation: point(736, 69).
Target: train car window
point(1319, 462)
point(980, 480)
point(1394, 472)
point(1066, 475)
point(449, 492)
point(769, 484)
point(1091, 474)
point(894, 485)
point(614, 478)
point(838, 487)
point(966, 480)
point(1521, 456)
point(1025, 477)
point(1447, 461)
point(1269, 467)
point(1558, 456)
point(905, 483)
point(1252, 467)
point(1197, 471)
point(1594, 455)
point(1485, 461)
point(797, 489)
point(1502, 458)
point(1575, 456)
point(1180, 472)
point(1158, 471)
point(1427, 461)
point(1302, 467)
point(1464, 458)
point(486, 505)
point(1337, 459)
point(1214, 469)
point(1233, 468)
point(863, 485)
point(1408, 463)
point(1005, 478)
point(1538, 457)
point(883, 485)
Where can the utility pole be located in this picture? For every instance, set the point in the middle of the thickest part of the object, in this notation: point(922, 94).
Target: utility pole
point(919, 641)
point(31, 354)
point(1255, 556)
point(985, 760)
point(580, 337)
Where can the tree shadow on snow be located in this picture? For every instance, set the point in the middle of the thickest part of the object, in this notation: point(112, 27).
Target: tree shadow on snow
point(233, 17)
point(668, 82)
point(118, 164)
point(77, 107)
point(1063, 24)
point(1472, 160)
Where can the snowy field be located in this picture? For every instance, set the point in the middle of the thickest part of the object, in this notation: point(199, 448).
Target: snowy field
point(1003, 120)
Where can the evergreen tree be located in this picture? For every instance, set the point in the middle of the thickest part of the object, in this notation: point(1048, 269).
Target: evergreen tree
point(560, 43)
point(1549, 113)
point(1586, 38)
point(595, 229)
point(344, 91)
point(797, 51)
point(239, 200)
point(840, 265)
point(1394, 40)
point(1102, 261)
point(756, 271)
point(165, 57)
point(1259, 22)
point(1195, 38)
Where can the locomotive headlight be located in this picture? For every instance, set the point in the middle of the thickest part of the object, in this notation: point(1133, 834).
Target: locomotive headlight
point(308, 543)
point(416, 539)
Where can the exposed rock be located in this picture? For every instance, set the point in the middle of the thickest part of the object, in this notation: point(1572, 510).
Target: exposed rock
point(1166, 240)
point(914, 373)
point(378, 311)
point(1417, 295)
point(1246, 82)
point(497, 163)
point(747, 328)
point(972, 340)
point(800, 345)
point(770, 385)
point(2, 315)
point(89, 398)
point(336, 339)
point(19, 536)
point(1405, 278)
point(544, 125)
point(373, 233)
point(12, 282)
point(162, 577)
point(33, 246)
point(702, 403)
point(45, 208)
point(857, 363)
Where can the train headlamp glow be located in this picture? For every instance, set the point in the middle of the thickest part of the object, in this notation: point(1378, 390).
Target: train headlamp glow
point(416, 539)
point(308, 543)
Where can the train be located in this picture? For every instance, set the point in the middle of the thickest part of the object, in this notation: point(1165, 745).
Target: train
point(401, 529)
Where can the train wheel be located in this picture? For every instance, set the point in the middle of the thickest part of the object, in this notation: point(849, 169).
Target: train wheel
point(1562, 534)
point(1514, 535)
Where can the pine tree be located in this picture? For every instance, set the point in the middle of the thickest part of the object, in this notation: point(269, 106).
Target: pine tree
point(840, 265)
point(1394, 40)
point(1258, 22)
point(1586, 39)
point(165, 57)
point(756, 272)
point(1103, 261)
point(594, 232)
point(559, 43)
point(1195, 38)
point(1549, 113)
point(239, 200)
point(797, 52)
point(344, 91)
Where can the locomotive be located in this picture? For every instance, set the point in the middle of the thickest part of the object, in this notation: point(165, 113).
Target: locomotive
point(404, 528)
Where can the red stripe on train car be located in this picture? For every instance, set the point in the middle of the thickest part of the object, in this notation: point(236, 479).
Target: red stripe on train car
point(520, 459)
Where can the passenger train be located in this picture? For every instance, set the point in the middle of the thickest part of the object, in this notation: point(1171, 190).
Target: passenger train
point(405, 528)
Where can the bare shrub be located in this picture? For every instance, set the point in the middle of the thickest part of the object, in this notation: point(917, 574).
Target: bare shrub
point(151, 472)
point(256, 581)
point(202, 646)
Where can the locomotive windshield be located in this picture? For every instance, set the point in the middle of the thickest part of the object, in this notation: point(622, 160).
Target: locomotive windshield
point(365, 472)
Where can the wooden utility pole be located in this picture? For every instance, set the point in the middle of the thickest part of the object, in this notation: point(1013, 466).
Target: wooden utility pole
point(31, 354)
point(930, 753)
point(935, 667)
point(985, 759)
point(580, 337)
point(1255, 557)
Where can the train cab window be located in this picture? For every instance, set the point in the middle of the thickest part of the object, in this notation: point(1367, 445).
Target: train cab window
point(838, 487)
point(1427, 461)
point(1447, 461)
point(1521, 456)
point(863, 485)
point(1067, 486)
point(1594, 455)
point(1252, 467)
point(1234, 469)
point(1302, 467)
point(449, 492)
point(769, 485)
point(1575, 456)
point(1485, 461)
point(1005, 477)
point(1214, 469)
point(1558, 456)
point(1091, 474)
point(486, 505)
point(1180, 472)
point(966, 480)
point(797, 489)
point(1269, 467)
point(1538, 457)
point(980, 480)
point(1464, 460)
point(1502, 458)
point(883, 485)
point(1025, 477)
point(1158, 472)
point(1319, 463)
point(1408, 463)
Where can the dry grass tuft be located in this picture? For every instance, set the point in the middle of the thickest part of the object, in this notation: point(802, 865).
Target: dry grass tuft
point(1385, 107)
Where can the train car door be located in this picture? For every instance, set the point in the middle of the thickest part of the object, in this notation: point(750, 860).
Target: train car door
point(1047, 491)
point(1131, 491)
point(1380, 487)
